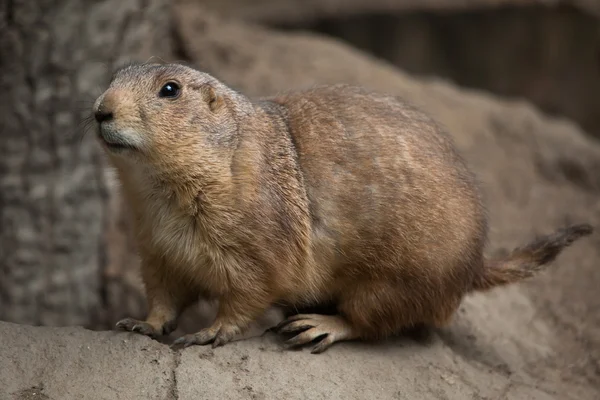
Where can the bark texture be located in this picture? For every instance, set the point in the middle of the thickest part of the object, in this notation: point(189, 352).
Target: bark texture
point(57, 265)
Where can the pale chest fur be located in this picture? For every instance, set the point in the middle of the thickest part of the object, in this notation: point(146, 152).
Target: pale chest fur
point(167, 231)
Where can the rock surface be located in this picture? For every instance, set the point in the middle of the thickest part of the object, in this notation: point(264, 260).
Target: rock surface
point(535, 340)
point(73, 363)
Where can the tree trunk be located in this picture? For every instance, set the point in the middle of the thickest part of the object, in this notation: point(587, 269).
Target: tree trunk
point(65, 253)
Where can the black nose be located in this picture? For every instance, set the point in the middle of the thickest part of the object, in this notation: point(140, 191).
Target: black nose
point(102, 116)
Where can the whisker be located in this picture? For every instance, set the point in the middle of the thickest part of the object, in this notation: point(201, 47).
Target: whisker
point(83, 127)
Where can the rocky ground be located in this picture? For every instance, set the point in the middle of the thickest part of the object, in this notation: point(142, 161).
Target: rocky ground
point(536, 340)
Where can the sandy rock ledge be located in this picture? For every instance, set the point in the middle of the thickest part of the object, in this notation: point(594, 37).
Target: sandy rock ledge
point(73, 363)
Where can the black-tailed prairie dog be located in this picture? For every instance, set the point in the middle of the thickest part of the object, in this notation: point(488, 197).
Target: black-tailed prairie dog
point(330, 195)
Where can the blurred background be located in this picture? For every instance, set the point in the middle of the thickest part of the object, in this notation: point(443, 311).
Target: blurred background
point(515, 81)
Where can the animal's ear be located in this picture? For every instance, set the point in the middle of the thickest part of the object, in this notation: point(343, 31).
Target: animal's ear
point(212, 97)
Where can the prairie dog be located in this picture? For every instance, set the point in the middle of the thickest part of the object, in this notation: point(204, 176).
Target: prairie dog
point(329, 195)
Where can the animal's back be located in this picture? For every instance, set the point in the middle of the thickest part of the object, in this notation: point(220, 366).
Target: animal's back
point(388, 192)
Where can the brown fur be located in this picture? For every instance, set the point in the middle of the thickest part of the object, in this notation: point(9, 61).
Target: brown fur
point(329, 195)
point(524, 262)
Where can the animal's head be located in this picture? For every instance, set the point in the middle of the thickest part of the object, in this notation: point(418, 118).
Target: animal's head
point(167, 116)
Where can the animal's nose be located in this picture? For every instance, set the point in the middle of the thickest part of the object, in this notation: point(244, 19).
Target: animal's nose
point(103, 115)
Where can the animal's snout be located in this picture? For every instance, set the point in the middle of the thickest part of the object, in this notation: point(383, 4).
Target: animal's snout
point(104, 109)
point(102, 115)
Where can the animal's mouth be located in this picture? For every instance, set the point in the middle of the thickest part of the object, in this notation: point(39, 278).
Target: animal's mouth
point(115, 144)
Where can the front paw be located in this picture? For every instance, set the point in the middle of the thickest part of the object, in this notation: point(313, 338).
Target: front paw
point(134, 325)
point(217, 334)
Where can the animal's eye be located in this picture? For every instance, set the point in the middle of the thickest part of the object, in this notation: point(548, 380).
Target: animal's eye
point(169, 89)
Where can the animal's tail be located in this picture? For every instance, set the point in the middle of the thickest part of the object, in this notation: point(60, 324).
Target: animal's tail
point(524, 262)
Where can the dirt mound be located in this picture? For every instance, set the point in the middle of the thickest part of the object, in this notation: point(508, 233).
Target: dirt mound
point(536, 340)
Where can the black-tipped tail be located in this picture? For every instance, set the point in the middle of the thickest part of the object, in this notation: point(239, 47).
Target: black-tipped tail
point(524, 262)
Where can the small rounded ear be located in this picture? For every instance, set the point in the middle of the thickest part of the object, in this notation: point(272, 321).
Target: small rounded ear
point(212, 97)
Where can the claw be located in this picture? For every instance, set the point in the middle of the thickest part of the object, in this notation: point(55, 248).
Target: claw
point(295, 326)
point(323, 345)
point(217, 335)
point(286, 321)
point(121, 325)
point(304, 338)
point(186, 341)
point(323, 329)
point(183, 342)
point(133, 325)
point(219, 341)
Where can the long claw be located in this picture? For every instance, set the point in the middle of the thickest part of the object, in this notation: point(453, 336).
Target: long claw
point(304, 338)
point(323, 345)
point(323, 329)
point(289, 320)
point(295, 326)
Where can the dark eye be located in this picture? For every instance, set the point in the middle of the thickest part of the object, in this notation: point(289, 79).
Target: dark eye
point(170, 89)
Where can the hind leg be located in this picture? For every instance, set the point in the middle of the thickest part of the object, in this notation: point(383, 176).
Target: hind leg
point(371, 310)
point(327, 329)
